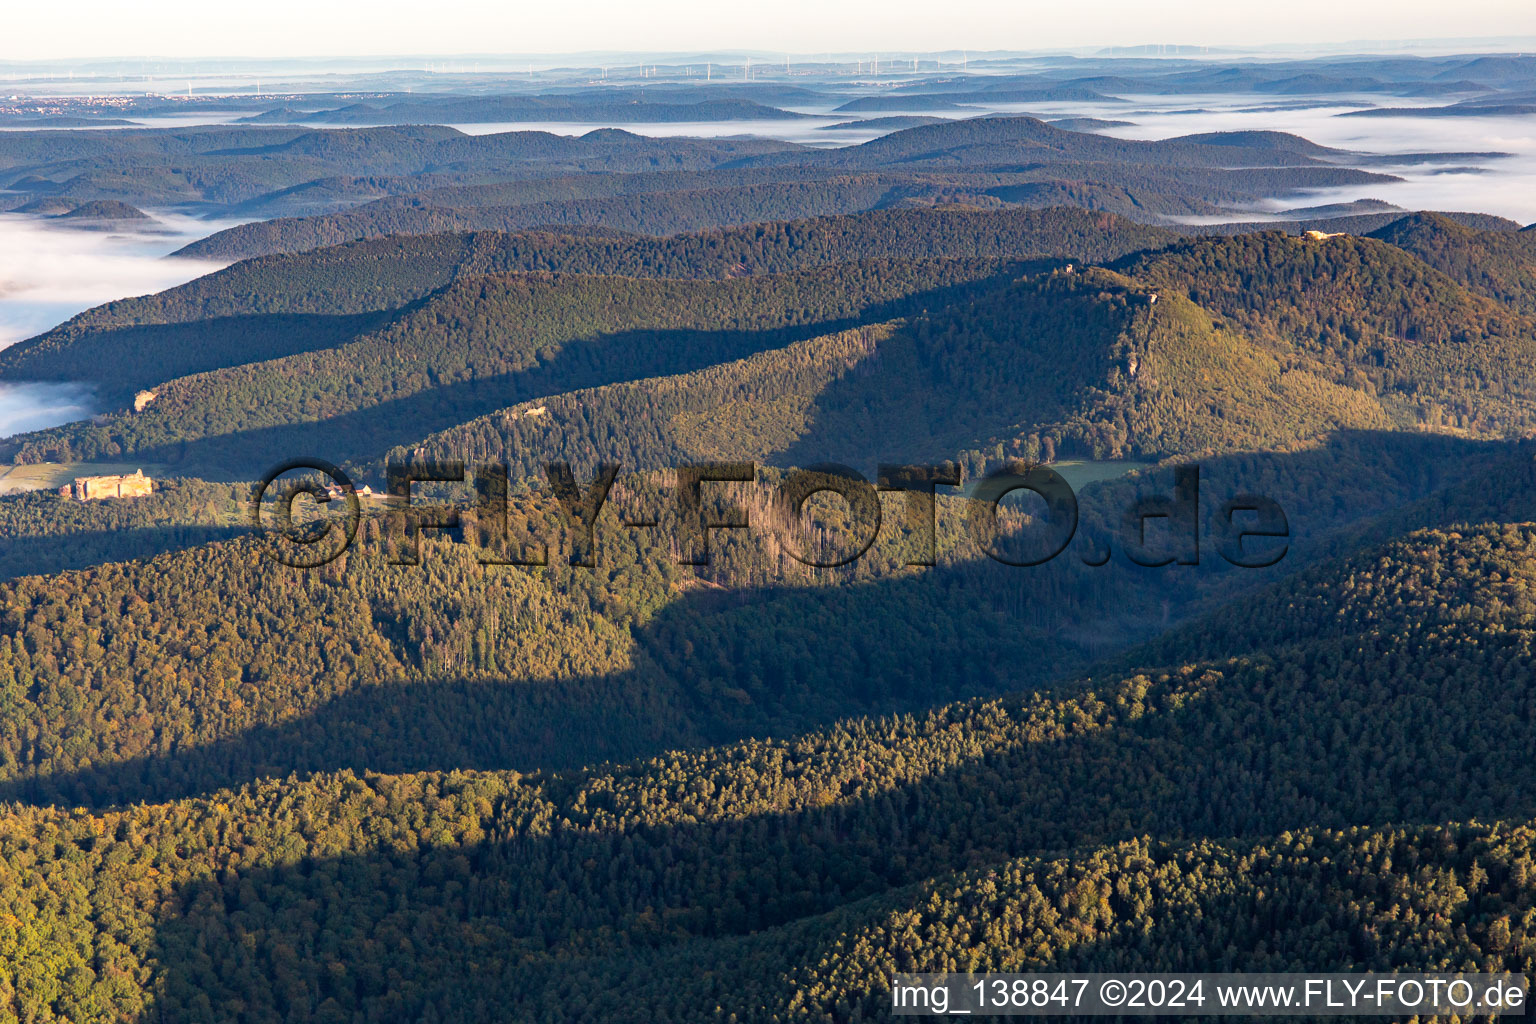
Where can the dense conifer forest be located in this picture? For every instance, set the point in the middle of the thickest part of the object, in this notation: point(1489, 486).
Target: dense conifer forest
point(550, 764)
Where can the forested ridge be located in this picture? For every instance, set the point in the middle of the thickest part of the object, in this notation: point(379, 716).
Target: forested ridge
point(1056, 364)
point(383, 274)
point(753, 789)
point(1259, 340)
point(221, 167)
point(191, 673)
point(801, 870)
point(989, 161)
point(481, 342)
point(1499, 264)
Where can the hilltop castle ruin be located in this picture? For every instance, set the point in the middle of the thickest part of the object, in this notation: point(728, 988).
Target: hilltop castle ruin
point(89, 488)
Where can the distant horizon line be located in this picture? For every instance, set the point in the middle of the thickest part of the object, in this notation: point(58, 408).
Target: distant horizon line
point(1446, 47)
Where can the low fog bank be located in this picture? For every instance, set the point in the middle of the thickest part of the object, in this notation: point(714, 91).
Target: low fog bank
point(50, 271)
point(1502, 186)
point(1505, 185)
point(25, 407)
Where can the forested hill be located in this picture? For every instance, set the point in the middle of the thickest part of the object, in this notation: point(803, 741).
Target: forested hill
point(1059, 363)
point(997, 140)
point(484, 342)
point(1384, 321)
point(1097, 825)
point(330, 286)
point(1499, 264)
point(987, 162)
point(1210, 344)
point(218, 168)
point(1055, 365)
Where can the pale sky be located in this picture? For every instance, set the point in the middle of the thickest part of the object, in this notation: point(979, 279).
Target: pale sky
point(291, 28)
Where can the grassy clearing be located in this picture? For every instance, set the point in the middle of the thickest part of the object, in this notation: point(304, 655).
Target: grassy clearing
point(1082, 473)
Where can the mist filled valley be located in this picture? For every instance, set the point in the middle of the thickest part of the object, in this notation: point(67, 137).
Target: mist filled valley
point(54, 266)
point(704, 537)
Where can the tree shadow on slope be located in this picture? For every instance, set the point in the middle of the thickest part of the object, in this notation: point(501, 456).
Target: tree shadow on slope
point(231, 451)
point(1332, 736)
point(29, 556)
point(1302, 903)
point(713, 666)
point(116, 358)
point(719, 664)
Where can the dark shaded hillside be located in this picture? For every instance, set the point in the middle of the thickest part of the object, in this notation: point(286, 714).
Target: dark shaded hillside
point(807, 869)
point(483, 343)
point(1062, 364)
point(533, 774)
point(667, 205)
point(389, 273)
point(104, 210)
point(1498, 264)
point(981, 161)
point(1369, 316)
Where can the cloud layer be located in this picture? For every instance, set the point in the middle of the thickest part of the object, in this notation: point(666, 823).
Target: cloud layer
point(49, 272)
